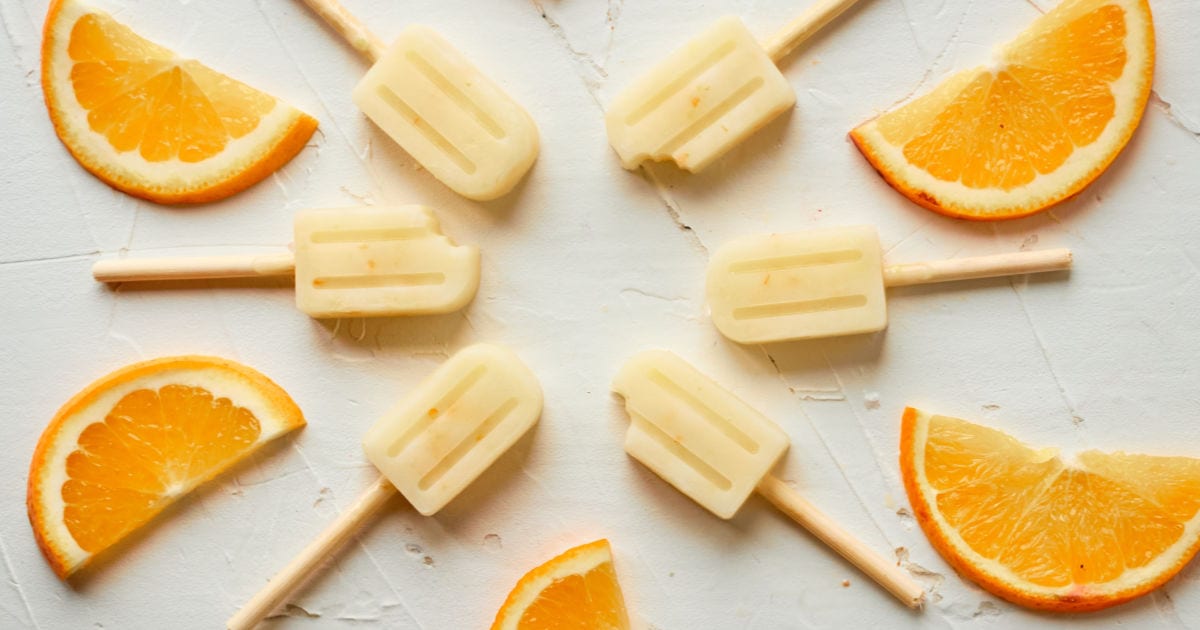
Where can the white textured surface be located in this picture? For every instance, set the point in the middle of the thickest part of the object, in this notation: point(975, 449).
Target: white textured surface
point(584, 265)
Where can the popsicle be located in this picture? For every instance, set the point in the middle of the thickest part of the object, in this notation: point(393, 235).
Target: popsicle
point(829, 282)
point(456, 122)
point(430, 447)
point(711, 94)
point(349, 262)
point(716, 449)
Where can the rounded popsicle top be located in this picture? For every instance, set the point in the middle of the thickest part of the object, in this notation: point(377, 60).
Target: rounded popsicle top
point(699, 102)
point(458, 123)
point(454, 425)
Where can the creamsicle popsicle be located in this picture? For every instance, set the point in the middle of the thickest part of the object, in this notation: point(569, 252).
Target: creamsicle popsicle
point(829, 282)
point(446, 433)
point(716, 449)
point(380, 261)
point(349, 262)
point(430, 447)
point(711, 94)
point(430, 99)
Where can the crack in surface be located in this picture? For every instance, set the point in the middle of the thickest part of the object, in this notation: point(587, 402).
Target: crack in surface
point(1165, 107)
point(1037, 335)
point(937, 59)
point(590, 72)
point(40, 259)
point(673, 209)
point(16, 584)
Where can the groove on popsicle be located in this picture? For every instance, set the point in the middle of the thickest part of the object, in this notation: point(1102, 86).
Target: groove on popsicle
point(371, 235)
point(438, 410)
point(462, 100)
point(681, 452)
point(432, 135)
point(724, 107)
point(368, 281)
point(468, 442)
point(647, 107)
point(718, 421)
point(780, 263)
point(760, 311)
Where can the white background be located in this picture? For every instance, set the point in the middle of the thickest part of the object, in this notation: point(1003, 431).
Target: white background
point(585, 264)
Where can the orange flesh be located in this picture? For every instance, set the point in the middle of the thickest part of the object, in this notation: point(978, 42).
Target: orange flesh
point(1052, 525)
point(152, 447)
point(582, 602)
point(1004, 128)
point(141, 96)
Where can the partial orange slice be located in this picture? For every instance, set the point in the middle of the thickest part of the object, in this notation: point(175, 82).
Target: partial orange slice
point(133, 442)
point(577, 590)
point(1043, 531)
point(153, 124)
point(1048, 115)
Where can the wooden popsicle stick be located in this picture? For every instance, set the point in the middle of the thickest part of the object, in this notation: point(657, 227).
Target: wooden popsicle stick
point(303, 565)
point(804, 26)
point(1010, 264)
point(194, 268)
point(886, 572)
point(354, 32)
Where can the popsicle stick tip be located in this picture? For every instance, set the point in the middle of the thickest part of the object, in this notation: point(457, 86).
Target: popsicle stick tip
point(304, 565)
point(887, 573)
point(349, 27)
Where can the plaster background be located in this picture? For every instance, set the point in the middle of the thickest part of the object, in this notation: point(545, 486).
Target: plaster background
point(585, 264)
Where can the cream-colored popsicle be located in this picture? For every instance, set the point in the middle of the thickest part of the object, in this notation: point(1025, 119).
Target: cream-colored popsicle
point(716, 449)
point(710, 94)
point(349, 262)
point(430, 447)
point(380, 261)
point(455, 121)
point(700, 101)
point(799, 285)
point(447, 432)
point(450, 117)
point(829, 282)
point(699, 437)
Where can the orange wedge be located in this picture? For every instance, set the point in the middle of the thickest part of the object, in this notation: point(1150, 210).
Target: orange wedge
point(577, 590)
point(133, 442)
point(1043, 531)
point(152, 124)
point(1034, 127)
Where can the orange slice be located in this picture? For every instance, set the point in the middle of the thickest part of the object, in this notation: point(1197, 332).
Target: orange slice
point(152, 124)
point(133, 442)
point(1033, 128)
point(577, 590)
point(1043, 531)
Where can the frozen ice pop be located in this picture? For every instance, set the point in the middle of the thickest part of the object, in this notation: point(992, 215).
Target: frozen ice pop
point(440, 108)
point(349, 262)
point(716, 449)
point(710, 94)
point(430, 446)
point(829, 282)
